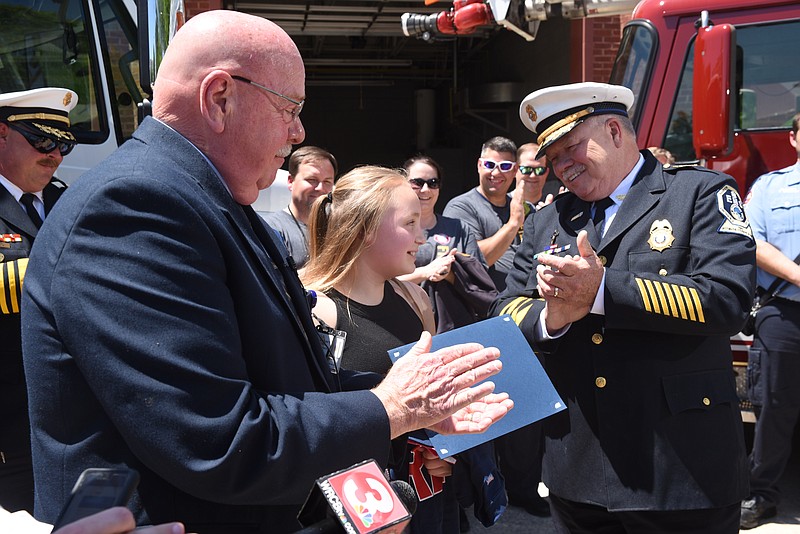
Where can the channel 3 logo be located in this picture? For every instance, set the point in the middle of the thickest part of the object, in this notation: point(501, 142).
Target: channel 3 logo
point(369, 497)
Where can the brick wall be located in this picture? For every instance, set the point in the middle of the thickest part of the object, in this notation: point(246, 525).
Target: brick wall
point(193, 7)
point(594, 44)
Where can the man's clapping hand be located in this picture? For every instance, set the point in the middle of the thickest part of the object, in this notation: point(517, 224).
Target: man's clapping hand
point(438, 390)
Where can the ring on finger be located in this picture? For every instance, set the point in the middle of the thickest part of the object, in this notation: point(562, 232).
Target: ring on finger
point(555, 292)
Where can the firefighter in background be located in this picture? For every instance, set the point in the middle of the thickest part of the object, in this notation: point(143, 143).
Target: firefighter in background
point(773, 369)
point(34, 138)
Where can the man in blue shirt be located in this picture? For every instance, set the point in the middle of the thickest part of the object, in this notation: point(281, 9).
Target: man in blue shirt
point(773, 207)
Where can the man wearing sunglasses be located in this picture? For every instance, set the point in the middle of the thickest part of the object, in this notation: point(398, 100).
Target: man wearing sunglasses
point(534, 175)
point(34, 137)
point(494, 216)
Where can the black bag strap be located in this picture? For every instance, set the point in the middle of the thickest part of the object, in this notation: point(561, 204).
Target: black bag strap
point(777, 285)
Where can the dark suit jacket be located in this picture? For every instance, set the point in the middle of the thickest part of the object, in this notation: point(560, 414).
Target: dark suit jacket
point(174, 339)
point(14, 430)
point(653, 420)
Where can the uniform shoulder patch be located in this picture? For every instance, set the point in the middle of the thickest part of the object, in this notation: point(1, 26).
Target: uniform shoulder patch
point(730, 206)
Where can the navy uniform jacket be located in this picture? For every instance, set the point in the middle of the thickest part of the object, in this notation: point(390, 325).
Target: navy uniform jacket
point(653, 419)
point(15, 247)
point(172, 342)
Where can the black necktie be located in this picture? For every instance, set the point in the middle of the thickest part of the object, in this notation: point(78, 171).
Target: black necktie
point(600, 213)
point(27, 201)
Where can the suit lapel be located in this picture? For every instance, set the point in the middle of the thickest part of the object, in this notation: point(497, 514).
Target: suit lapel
point(291, 290)
point(52, 192)
point(14, 214)
point(641, 197)
point(576, 217)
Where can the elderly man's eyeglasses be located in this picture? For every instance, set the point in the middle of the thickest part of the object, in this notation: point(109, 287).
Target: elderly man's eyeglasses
point(417, 183)
point(292, 113)
point(43, 144)
point(490, 164)
point(528, 170)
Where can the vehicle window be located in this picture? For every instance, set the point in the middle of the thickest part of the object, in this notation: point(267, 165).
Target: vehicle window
point(45, 44)
point(123, 60)
point(633, 62)
point(767, 80)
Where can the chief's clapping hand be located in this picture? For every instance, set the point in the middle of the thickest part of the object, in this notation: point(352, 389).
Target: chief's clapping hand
point(569, 284)
point(438, 390)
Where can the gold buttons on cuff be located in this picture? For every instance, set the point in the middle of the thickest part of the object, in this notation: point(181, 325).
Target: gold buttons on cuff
point(603, 260)
point(706, 401)
point(597, 338)
point(600, 382)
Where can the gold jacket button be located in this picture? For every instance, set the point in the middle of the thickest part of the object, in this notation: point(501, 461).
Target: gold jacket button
point(600, 382)
point(706, 401)
point(662, 272)
point(597, 338)
point(3, 256)
point(603, 260)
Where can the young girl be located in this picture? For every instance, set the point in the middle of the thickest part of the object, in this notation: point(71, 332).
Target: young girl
point(364, 235)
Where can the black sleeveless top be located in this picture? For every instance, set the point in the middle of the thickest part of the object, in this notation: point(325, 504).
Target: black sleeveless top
point(373, 330)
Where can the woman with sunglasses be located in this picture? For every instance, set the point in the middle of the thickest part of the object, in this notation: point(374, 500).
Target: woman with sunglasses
point(444, 236)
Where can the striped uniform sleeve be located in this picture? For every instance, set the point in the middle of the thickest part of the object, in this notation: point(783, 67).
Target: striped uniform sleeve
point(13, 272)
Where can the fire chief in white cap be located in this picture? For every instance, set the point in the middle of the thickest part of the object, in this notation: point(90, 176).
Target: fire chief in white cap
point(35, 135)
point(629, 286)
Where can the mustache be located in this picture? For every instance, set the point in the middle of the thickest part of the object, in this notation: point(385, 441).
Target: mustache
point(285, 151)
point(48, 162)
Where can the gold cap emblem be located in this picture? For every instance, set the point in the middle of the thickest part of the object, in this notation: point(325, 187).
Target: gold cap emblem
point(67, 99)
point(531, 113)
point(660, 235)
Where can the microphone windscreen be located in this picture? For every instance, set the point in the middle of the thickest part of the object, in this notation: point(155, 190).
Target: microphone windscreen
point(406, 493)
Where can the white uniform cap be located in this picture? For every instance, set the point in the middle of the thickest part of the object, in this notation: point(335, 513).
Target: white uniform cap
point(553, 112)
point(45, 110)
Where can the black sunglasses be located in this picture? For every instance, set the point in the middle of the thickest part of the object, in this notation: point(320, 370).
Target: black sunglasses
point(417, 183)
point(42, 143)
point(536, 171)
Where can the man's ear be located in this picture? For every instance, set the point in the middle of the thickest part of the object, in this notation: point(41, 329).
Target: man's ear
point(216, 91)
point(616, 131)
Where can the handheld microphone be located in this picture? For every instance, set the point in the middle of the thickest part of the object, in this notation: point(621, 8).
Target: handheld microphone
point(358, 500)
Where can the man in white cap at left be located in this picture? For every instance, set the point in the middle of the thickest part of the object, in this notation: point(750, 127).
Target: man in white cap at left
point(34, 138)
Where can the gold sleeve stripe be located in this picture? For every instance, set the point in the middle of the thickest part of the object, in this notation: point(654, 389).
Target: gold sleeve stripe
point(672, 300)
point(689, 303)
point(679, 299)
point(698, 306)
point(3, 290)
point(643, 291)
point(14, 287)
point(518, 308)
point(661, 299)
point(672, 306)
point(652, 293)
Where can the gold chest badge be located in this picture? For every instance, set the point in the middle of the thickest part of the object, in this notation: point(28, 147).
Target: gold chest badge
point(660, 235)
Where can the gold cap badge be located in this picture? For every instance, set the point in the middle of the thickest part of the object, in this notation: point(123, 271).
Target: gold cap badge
point(531, 112)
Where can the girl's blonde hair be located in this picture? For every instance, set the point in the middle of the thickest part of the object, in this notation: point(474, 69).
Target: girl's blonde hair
point(343, 223)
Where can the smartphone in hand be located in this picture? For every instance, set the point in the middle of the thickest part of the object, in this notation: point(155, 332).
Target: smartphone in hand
point(97, 490)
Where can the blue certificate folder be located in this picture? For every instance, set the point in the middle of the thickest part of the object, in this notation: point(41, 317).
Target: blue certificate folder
point(522, 377)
